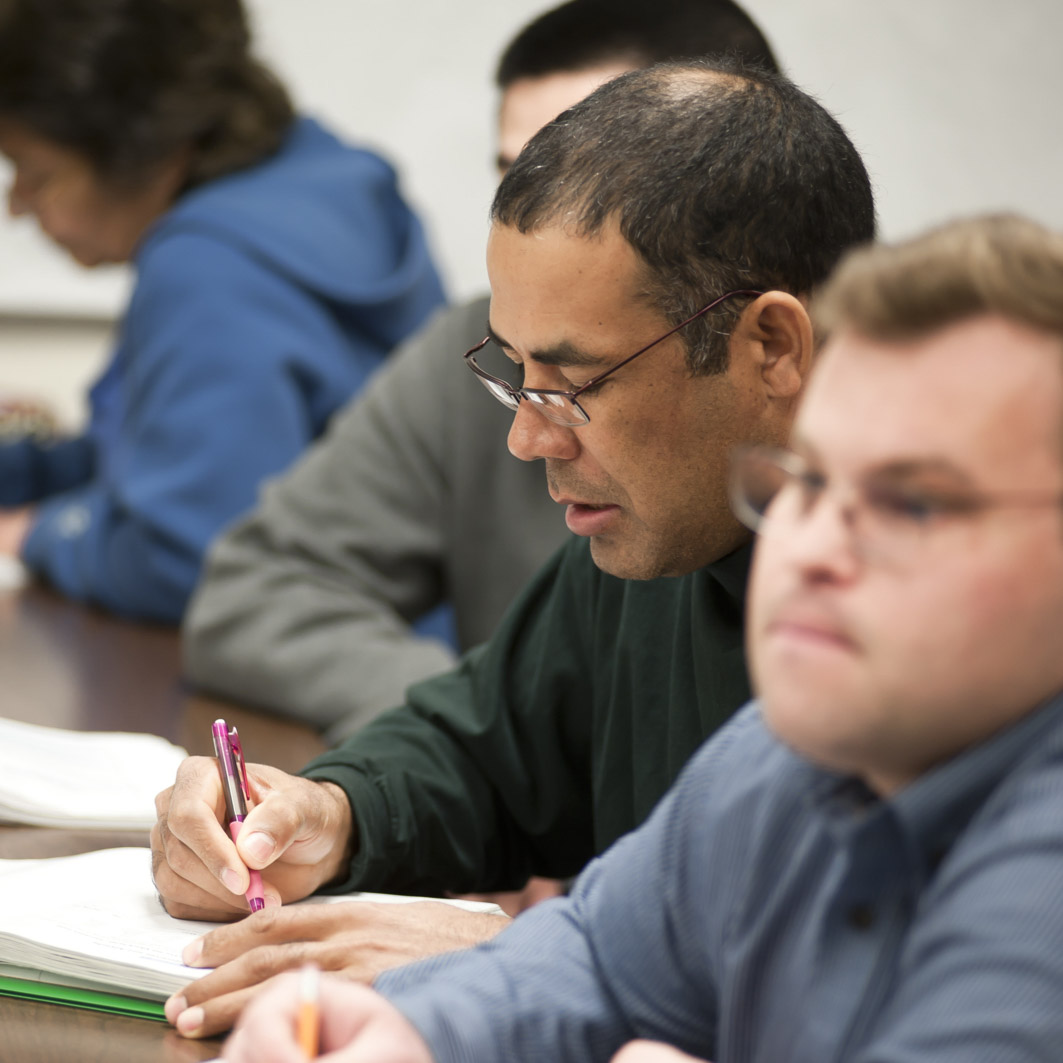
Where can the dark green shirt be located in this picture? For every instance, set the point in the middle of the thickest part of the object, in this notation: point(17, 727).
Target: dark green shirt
point(550, 741)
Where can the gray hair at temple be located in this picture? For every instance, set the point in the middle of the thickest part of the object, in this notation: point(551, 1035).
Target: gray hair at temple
point(994, 264)
point(719, 175)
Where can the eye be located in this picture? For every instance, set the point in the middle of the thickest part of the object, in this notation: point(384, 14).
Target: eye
point(592, 390)
point(811, 484)
point(918, 506)
point(502, 363)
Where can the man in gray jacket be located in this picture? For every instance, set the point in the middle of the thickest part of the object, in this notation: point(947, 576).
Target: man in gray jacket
point(307, 606)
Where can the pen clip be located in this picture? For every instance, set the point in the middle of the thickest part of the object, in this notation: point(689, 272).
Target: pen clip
point(238, 753)
point(233, 770)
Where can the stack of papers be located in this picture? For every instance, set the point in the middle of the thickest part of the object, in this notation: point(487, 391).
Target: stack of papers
point(92, 920)
point(90, 780)
point(89, 930)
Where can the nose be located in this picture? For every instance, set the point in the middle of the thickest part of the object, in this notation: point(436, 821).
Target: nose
point(823, 543)
point(534, 436)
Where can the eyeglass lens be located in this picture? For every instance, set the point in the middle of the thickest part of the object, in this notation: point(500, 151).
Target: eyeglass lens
point(772, 491)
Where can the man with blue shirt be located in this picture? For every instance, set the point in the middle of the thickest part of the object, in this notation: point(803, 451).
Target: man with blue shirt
point(864, 864)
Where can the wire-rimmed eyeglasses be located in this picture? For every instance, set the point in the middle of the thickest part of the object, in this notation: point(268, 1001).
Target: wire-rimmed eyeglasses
point(562, 407)
point(887, 513)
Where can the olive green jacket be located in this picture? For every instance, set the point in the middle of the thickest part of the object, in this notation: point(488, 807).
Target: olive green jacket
point(550, 741)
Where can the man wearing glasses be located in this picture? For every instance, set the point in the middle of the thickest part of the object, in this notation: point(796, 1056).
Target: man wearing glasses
point(863, 866)
point(682, 213)
point(306, 606)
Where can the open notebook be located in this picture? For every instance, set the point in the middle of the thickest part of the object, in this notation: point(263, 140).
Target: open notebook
point(89, 930)
point(90, 780)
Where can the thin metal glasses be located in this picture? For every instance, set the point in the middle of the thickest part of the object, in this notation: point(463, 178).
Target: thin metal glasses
point(887, 514)
point(562, 407)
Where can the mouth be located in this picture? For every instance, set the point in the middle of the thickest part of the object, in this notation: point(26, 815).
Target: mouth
point(810, 634)
point(812, 628)
point(589, 518)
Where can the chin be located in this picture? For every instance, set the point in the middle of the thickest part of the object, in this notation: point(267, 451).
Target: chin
point(87, 261)
point(830, 724)
point(809, 738)
point(614, 561)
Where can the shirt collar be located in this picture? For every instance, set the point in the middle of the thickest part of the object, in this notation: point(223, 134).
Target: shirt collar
point(933, 811)
point(732, 571)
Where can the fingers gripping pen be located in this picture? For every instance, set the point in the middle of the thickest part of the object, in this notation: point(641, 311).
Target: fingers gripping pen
point(237, 793)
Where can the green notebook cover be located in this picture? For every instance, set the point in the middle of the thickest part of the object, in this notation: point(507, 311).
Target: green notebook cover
point(92, 999)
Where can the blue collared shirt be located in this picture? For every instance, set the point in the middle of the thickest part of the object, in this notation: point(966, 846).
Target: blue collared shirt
point(770, 912)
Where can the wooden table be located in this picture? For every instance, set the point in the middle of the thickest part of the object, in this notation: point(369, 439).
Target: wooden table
point(64, 665)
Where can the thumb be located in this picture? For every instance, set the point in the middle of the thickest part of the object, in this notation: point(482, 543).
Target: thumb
point(258, 847)
point(268, 830)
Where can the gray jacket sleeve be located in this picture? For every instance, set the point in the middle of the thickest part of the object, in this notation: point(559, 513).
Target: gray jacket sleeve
point(411, 499)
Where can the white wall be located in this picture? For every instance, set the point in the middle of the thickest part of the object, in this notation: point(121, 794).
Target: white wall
point(954, 103)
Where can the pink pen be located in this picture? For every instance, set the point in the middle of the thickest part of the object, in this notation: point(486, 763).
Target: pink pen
point(237, 793)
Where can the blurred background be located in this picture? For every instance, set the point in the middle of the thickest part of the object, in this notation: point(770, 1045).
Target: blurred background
point(955, 105)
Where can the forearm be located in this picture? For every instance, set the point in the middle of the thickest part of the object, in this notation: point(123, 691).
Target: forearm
point(479, 780)
point(91, 550)
point(489, 1003)
point(424, 811)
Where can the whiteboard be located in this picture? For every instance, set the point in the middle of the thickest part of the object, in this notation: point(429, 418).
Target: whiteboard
point(954, 104)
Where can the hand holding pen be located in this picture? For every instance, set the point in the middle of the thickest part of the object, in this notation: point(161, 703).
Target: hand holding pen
point(233, 770)
point(298, 835)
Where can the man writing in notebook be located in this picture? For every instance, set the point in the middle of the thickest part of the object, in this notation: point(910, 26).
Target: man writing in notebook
point(649, 257)
point(412, 500)
point(864, 865)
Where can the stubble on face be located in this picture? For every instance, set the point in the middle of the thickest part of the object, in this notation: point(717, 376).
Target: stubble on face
point(646, 480)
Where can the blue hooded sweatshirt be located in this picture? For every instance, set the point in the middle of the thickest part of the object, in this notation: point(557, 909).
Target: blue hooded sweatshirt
point(263, 301)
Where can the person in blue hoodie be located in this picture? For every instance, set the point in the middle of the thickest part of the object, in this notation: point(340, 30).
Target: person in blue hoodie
point(275, 268)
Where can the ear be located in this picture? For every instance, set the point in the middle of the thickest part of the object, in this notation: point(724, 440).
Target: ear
point(777, 333)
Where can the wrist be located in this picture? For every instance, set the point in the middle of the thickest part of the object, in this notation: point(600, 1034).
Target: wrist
point(340, 827)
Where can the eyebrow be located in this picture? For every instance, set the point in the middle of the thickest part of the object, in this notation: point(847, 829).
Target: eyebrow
point(922, 467)
point(905, 467)
point(560, 354)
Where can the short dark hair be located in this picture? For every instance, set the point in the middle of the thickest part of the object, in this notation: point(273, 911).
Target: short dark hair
point(721, 177)
point(588, 33)
point(127, 83)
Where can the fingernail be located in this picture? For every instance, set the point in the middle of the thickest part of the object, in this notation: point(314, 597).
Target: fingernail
point(192, 953)
point(174, 1006)
point(189, 1022)
point(231, 881)
point(259, 846)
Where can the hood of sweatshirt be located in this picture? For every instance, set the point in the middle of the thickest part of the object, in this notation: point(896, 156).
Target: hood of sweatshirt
point(324, 214)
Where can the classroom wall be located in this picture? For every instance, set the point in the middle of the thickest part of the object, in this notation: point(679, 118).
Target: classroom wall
point(954, 104)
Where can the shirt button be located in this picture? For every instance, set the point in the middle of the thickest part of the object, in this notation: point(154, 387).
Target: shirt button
point(861, 916)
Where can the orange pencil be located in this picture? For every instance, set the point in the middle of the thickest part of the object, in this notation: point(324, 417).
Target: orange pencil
point(309, 1022)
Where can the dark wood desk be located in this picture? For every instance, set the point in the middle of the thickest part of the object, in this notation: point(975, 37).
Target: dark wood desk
point(63, 665)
